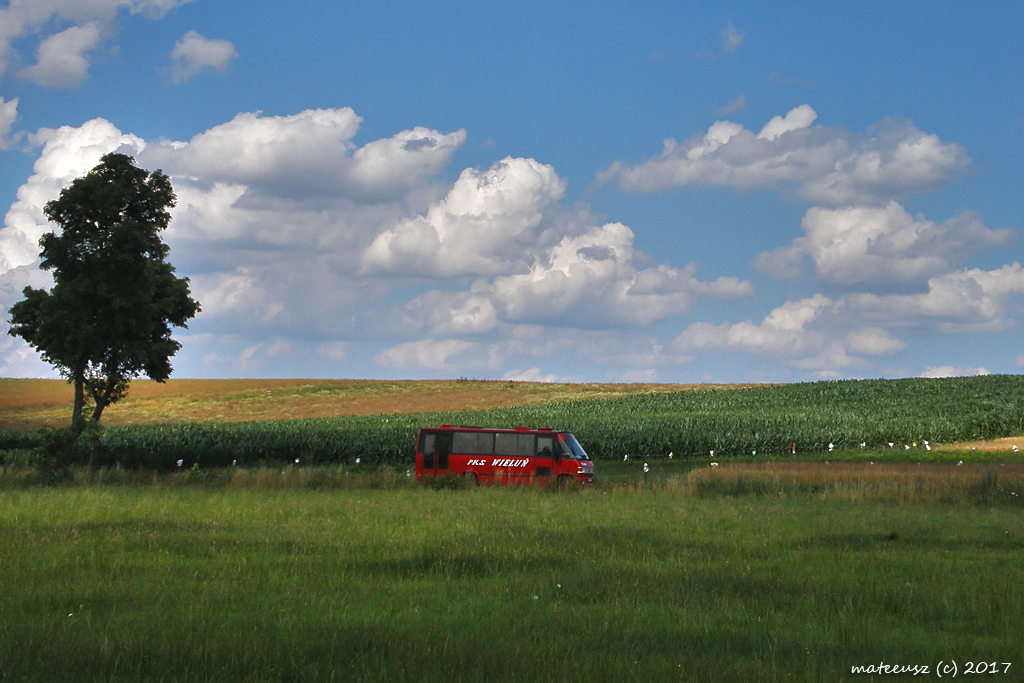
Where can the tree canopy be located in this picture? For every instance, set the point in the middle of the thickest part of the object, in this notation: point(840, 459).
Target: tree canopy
point(108, 317)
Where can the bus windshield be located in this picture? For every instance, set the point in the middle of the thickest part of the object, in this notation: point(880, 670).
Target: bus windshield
point(571, 448)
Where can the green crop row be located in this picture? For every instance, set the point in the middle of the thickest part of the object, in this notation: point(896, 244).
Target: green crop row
point(687, 423)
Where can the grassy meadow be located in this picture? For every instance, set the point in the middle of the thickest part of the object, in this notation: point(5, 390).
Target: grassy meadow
point(188, 580)
point(743, 567)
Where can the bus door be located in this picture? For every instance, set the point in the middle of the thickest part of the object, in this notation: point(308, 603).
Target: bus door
point(443, 447)
point(545, 455)
point(436, 448)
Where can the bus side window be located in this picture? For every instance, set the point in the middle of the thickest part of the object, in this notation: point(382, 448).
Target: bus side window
point(506, 444)
point(545, 446)
point(427, 446)
point(474, 443)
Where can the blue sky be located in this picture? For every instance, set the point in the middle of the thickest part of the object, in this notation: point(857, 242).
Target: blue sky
point(667, 192)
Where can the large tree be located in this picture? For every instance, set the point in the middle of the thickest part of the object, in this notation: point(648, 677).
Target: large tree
point(107, 319)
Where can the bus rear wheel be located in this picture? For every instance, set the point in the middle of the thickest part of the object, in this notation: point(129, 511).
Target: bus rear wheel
point(471, 478)
point(564, 481)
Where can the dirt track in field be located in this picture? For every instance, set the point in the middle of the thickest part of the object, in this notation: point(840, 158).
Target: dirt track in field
point(31, 403)
point(1006, 444)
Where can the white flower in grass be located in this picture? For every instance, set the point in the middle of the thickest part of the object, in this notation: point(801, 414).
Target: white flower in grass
point(296, 461)
point(357, 461)
point(625, 457)
point(180, 462)
point(645, 468)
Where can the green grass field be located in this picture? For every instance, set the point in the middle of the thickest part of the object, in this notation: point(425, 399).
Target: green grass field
point(636, 581)
point(761, 567)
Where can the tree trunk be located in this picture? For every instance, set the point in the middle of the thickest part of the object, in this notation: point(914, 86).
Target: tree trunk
point(71, 436)
point(100, 399)
point(95, 451)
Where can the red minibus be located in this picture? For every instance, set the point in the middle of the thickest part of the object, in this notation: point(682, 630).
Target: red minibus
point(505, 456)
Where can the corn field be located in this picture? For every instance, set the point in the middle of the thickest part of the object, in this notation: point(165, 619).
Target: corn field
point(768, 420)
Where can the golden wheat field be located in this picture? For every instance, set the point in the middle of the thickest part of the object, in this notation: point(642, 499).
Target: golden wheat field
point(32, 403)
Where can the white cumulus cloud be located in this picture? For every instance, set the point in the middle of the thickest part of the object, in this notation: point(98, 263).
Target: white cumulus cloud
point(786, 330)
point(308, 154)
point(194, 53)
point(812, 334)
point(585, 281)
point(795, 119)
point(63, 55)
point(592, 280)
point(486, 225)
point(881, 247)
point(8, 115)
point(425, 354)
point(874, 341)
point(951, 371)
point(533, 375)
point(959, 301)
point(828, 166)
point(62, 58)
point(289, 231)
point(545, 271)
point(264, 258)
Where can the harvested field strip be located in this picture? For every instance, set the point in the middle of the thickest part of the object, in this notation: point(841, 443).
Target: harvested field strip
point(34, 403)
point(902, 483)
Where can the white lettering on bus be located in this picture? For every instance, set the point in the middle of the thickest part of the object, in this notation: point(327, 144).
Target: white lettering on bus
point(506, 462)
